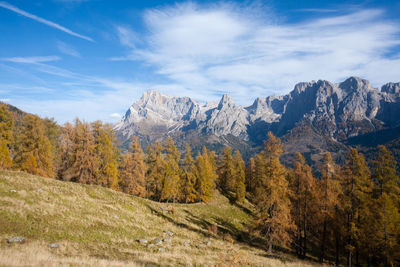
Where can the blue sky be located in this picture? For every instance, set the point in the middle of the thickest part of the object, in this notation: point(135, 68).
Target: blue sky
point(93, 58)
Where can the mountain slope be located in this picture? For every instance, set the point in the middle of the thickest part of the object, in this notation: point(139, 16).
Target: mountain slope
point(95, 226)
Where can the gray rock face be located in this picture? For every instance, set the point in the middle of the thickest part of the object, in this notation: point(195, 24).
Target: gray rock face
point(391, 88)
point(340, 111)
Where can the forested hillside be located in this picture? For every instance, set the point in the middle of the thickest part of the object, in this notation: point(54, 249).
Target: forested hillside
point(347, 214)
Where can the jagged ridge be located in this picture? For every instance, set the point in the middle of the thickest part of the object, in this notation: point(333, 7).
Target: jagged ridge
point(339, 111)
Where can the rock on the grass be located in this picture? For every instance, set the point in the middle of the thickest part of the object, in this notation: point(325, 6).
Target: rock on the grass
point(54, 245)
point(168, 233)
point(161, 249)
point(167, 240)
point(40, 190)
point(13, 191)
point(17, 239)
point(207, 243)
point(150, 246)
point(142, 241)
point(186, 243)
point(157, 241)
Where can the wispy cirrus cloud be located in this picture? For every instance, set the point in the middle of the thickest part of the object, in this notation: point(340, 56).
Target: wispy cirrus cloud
point(67, 49)
point(44, 21)
point(217, 48)
point(31, 60)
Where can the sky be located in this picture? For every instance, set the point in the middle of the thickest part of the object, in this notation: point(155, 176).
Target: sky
point(93, 58)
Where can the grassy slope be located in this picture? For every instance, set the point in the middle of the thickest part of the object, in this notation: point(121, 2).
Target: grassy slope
point(98, 226)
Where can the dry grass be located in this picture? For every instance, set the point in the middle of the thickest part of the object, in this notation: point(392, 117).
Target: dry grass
point(96, 226)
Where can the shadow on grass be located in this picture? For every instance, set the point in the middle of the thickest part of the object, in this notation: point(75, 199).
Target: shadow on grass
point(179, 224)
point(232, 201)
point(225, 227)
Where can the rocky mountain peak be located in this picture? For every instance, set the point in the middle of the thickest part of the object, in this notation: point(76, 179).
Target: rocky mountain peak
point(391, 88)
point(354, 84)
point(153, 97)
point(340, 111)
point(226, 101)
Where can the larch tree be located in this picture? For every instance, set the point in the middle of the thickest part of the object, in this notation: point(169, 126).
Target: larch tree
point(329, 189)
point(6, 137)
point(53, 132)
point(205, 177)
point(171, 183)
point(226, 177)
point(303, 186)
point(33, 148)
point(156, 171)
point(251, 175)
point(67, 149)
point(239, 176)
point(387, 184)
point(188, 180)
point(357, 196)
point(107, 155)
point(272, 196)
point(133, 170)
point(84, 168)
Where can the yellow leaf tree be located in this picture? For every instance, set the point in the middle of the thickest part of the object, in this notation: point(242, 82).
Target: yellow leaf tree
point(303, 186)
point(188, 180)
point(133, 170)
point(272, 196)
point(107, 155)
point(33, 146)
point(6, 137)
point(239, 176)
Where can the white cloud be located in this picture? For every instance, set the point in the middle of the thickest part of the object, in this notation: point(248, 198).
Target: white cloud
point(5, 100)
point(115, 115)
point(31, 60)
point(44, 21)
point(67, 49)
point(226, 48)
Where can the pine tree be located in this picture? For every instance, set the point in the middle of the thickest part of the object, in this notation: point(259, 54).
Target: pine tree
point(303, 186)
point(33, 148)
point(387, 183)
point(6, 137)
point(329, 190)
point(133, 170)
point(188, 179)
point(107, 155)
point(226, 177)
point(239, 176)
point(357, 189)
point(272, 196)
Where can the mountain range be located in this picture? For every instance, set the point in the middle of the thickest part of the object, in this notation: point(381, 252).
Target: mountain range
point(314, 117)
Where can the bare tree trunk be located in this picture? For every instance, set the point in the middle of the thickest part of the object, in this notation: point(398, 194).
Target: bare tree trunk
point(321, 258)
point(337, 249)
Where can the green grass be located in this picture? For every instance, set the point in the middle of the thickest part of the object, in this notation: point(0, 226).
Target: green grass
point(95, 224)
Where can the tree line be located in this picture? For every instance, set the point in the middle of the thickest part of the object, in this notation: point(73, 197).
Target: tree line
point(347, 214)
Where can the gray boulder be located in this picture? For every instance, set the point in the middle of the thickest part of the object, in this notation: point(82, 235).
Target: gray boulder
point(17, 239)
